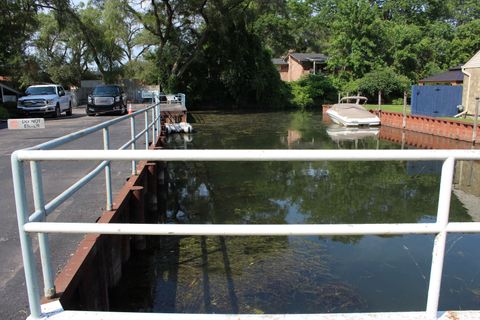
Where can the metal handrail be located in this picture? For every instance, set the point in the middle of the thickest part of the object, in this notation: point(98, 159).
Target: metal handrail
point(85, 132)
point(440, 228)
point(57, 201)
point(43, 209)
point(249, 155)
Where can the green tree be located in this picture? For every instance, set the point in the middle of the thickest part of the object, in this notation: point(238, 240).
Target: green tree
point(276, 32)
point(233, 68)
point(308, 21)
point(17, 22)
point(465, 11)
point(302, 26)
point(62, 56)
point(465, 43)
point(358, 45)
point(435, 48)
point(417, 12)
point(87, 22)
point(180, 30)
point(104, 46)
point(385, 80)
point(403, 49)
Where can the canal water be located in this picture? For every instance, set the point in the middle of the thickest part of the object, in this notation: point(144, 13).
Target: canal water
point(298, 274)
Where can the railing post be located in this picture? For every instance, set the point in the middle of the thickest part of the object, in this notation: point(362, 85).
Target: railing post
point(25, 239)
point(438, 253)
point(132, 135)
point(44, 246)
point(108, 172)
point(159, 120)
point(154, 125)
point(184, 103)
point(146, 129)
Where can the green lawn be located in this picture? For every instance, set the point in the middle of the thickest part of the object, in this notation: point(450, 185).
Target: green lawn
point(399, 108)
point(388, 107)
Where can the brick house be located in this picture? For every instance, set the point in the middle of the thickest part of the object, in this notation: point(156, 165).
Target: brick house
point(282, 67)
point(295, 65)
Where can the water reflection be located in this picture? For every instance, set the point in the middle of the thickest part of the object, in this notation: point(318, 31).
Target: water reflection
point(341, 133)
point(305, 274)
point(466, 186)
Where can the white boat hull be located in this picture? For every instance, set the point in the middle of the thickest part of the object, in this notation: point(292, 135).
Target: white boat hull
point(349, 121)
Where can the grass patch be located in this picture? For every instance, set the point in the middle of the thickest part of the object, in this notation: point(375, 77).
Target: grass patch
point(389, 107)
point(467, 120)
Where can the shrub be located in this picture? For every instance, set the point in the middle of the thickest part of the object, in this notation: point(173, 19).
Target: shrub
point(398, 101)
point(301, 95)
point(3, 112)
point(385, 80)
point(312, 90)
point(9, 110)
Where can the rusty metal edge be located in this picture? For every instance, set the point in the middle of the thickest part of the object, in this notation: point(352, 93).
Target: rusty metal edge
point(70, 275)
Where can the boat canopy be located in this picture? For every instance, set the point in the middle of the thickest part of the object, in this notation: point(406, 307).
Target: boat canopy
point(357, 100)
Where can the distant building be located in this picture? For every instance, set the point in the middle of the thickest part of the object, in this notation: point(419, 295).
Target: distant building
point(453, 77)
point(282, 67)
point(7, 93)
point(471, 83)
point(295, 65)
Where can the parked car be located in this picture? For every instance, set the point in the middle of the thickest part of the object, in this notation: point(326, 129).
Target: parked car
point(45, 99)
point(105, 99)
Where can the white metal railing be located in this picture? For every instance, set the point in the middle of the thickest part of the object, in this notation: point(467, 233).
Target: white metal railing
point(36, 224)
point(169, 98)
point(43, 209)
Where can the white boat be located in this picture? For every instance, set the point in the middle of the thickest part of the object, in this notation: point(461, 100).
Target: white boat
point(351, 112)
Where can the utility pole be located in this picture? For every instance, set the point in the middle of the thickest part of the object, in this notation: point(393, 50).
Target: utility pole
point(475, 120)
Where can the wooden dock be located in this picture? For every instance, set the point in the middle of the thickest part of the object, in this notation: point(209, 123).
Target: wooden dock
point(173, 112)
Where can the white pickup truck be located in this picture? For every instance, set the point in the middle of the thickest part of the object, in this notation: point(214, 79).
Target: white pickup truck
point(45, 99)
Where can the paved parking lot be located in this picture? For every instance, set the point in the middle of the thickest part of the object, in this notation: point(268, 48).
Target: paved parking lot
point(86, 205)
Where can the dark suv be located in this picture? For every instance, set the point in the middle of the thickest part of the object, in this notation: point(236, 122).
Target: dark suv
point(107, 98)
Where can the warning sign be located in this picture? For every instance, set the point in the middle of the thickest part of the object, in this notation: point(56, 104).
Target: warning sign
point(34, 123)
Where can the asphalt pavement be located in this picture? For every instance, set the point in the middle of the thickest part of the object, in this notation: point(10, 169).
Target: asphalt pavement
point(85, 206)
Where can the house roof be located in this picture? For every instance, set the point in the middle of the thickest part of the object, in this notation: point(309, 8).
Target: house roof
point(452, 75)
point(474, 62)
point(309, 57)
point(279, 61)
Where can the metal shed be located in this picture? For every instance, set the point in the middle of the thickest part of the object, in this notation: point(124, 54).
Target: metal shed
point(436, 101)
